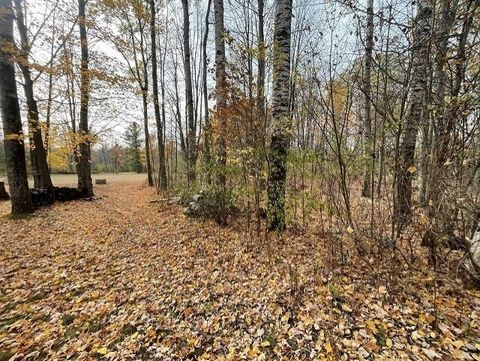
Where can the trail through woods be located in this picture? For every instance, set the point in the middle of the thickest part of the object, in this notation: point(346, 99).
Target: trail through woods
point(122, 278)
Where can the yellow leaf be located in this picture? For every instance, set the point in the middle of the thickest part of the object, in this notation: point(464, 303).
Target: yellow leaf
point(102, 350)
point(328, 347)
point(422, 219)
point(265, 343)
point(350, 230)
point(458, 344)
point(371, 326)
point(389, 343)
point(151, 333)
point(253, 352)
point(412, 169)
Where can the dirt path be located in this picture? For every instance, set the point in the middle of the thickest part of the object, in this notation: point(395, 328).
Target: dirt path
point(123, 278)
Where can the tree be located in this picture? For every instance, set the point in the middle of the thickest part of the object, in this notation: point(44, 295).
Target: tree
point(84, 170)
point(162, 171)
point(191, 135)
point(415, 115)
point(133, 138)
point(12, 124)
point(281, 123)
point(368, 139)
point(443, 124)
point(41, 173)
point(221, 108)
point(207, 126)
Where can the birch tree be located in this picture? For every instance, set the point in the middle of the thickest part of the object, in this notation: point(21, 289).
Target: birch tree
point(281, 123)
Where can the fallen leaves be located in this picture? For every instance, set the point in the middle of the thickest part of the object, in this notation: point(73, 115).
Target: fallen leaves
point(122, 278)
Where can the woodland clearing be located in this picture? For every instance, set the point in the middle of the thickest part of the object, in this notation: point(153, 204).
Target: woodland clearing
point(124, 278)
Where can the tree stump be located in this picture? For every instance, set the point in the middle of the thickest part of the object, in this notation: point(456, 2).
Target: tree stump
point(3, 193)
point(100, 181)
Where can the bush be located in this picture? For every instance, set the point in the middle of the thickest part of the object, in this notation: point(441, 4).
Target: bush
point(208, 204)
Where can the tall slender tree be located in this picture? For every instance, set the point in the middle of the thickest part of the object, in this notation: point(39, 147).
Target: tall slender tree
point(12, 124)
point(40, 169)
point(144, 88)
point(367, 89)
point(444, 123)
point(191, 133)
point(281, 123)
point(84, 169)
point(221, 107)
point(207, 127)
point(162, 171)
point(415, 115)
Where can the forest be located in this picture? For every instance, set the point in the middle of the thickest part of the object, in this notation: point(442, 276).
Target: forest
point(240, 180)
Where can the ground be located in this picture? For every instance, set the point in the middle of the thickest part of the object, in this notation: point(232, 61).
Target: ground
point(122, 277)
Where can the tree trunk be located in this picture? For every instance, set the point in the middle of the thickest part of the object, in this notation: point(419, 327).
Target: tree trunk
point(221, 99)
point(162, 171)
point(261, 57)
point(415, 115)
point(259, 161)
point(50, 93)
point(281, 127)
point(368, 139)
point(84, 166)
point(145, 107)
point(207, 129)
point(444, 121)
point(426, 147)
point(12, 124)
point(39, 156)
point(191, 135)
point(147, 133)
point(178, 113)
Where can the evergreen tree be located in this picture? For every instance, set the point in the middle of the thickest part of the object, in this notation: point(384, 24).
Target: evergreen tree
point(133, 138)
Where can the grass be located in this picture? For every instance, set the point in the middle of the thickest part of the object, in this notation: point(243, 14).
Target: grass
point(70, 180)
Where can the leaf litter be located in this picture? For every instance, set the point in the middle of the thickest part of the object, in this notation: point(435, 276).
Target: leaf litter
point(122, 278)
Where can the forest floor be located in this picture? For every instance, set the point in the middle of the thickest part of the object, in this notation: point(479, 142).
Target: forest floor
point(123, 278)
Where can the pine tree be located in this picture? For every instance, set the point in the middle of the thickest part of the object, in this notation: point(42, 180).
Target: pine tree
point(133, 138)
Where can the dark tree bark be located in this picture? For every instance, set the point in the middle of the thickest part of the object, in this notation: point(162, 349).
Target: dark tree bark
point(146, 130)
point(207, 128)
point(12, 124)
point(41, 172)
point(415, 115)
point(368, 139)
point(282, 123)
point(84, 170)
point(145, 101)
point(178, 113)
point(261, 57)
point(221, 99)
point(261, 115)
point(191, 134)
point(162, 171)
point(444, 123)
